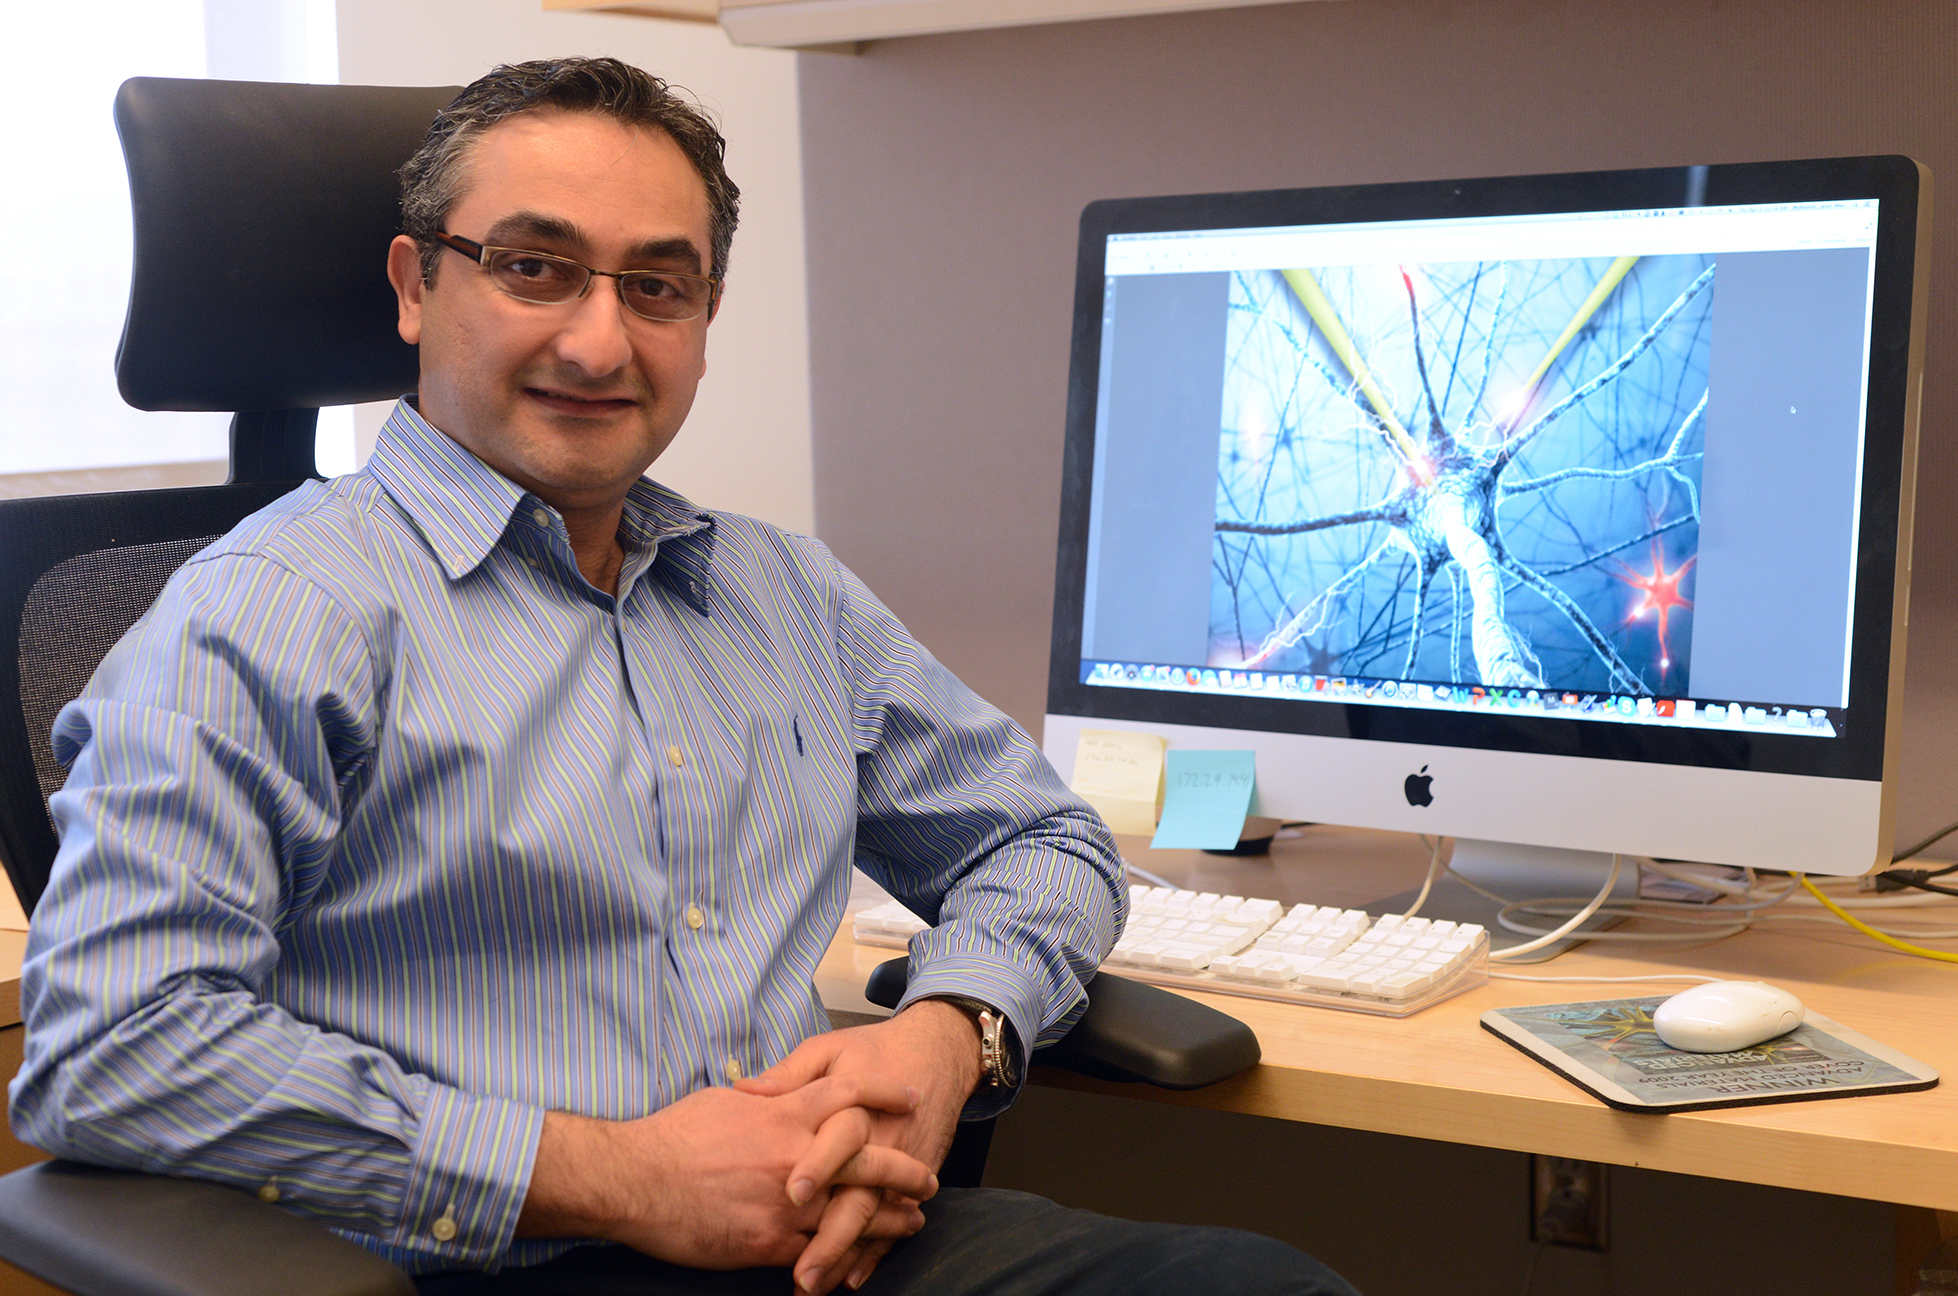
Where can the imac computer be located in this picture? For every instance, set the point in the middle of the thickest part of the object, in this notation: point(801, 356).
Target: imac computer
point(1567, 516)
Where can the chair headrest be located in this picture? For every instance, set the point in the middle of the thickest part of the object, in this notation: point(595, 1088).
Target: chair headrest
point(263, 213)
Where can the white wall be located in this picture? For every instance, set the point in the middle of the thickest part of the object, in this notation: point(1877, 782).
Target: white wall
point(746, 447)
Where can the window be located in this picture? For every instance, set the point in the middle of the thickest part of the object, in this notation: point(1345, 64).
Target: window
point(63, 427)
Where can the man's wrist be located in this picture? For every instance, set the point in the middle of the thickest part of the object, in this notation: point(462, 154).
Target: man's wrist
point(999, 1061)
point(570, 1180)
point(959, 1033)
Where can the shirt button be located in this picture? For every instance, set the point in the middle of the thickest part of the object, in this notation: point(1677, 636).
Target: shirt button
point(541, 517)
point(444, 1229)
point(695, 918)
point(733, 1070)
point(269, 1192)
point(528, 559)
point(673, 755)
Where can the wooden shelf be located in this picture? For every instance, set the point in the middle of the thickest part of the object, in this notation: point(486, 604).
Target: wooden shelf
point(833, 24)
point(686, 10)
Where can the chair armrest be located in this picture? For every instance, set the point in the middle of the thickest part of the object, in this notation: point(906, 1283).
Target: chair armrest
point(102, 1232)
point(1130, 1031)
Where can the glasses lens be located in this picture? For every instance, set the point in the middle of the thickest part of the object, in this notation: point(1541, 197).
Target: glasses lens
point(665, 296)
point(533, 277)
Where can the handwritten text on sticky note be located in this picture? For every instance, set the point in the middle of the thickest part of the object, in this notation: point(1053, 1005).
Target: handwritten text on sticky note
point(1120, 774)
point(1207, 794)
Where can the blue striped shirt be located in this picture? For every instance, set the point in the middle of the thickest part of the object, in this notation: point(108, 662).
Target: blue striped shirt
point(386, 833)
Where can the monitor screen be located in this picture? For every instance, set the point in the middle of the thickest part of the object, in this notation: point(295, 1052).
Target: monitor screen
point(1583, 500)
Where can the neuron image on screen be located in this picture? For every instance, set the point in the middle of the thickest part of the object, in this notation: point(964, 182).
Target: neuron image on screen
point(1479, 472)
point(1569, 512)
point(1604, 464)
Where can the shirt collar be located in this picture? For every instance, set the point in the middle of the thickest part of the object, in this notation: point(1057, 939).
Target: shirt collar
point(462, 507)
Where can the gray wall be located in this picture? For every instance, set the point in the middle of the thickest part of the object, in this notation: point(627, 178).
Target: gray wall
point(944, 178)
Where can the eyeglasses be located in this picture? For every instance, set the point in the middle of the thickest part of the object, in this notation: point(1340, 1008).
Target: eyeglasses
point(547, 280)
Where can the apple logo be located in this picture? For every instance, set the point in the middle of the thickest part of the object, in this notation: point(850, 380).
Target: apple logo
point(1417, 786)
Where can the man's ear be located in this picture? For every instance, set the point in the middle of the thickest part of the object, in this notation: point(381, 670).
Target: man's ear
point(405, 273)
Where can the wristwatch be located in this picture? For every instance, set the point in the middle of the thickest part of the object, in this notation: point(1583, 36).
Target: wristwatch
point(999, 1062)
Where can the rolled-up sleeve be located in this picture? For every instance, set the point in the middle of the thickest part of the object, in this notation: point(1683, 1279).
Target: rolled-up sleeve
point(962, 819)
point(211, 760)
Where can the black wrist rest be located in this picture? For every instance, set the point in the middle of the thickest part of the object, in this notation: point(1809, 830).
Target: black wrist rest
point(1130, 1031)
point(121, 1233)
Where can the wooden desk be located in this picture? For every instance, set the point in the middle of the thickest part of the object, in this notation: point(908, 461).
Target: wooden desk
point(13, 947)
point(1439, 1075)
point(14, 1155)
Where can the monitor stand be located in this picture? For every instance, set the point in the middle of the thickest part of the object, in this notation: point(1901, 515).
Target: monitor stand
point(1520, 873)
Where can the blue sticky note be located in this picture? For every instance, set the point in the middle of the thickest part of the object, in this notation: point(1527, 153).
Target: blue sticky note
point(1205, 797)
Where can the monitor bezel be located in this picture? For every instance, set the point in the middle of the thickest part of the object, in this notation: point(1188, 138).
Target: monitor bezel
point(1889, 462)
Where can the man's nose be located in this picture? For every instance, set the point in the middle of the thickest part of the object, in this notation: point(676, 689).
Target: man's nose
point(594, 335)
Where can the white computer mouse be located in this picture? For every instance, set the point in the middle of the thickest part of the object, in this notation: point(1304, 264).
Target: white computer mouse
point(1726, 1015)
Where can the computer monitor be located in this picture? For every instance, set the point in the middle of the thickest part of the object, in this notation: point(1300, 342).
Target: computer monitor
point(1565, 511)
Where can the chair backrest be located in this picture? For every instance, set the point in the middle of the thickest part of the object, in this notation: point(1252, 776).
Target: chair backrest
point(263, 213)
point(76, 571)
point(262, 218)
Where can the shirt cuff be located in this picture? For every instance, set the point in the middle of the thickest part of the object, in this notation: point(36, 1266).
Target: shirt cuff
point(467, 1181)
point(992, 981)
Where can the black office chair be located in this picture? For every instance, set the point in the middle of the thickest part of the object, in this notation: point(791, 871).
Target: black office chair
point(263, 214)
point(262, 217)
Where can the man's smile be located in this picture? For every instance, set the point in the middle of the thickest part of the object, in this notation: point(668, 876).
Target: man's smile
point(564, 402)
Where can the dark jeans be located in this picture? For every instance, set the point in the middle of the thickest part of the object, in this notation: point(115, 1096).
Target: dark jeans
point(976, 1242)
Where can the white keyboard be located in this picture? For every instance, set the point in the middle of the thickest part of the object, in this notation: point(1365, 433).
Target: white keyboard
point(1333, 958)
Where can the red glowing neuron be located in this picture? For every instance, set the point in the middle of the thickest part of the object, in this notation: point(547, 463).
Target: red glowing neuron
point(1658, 592)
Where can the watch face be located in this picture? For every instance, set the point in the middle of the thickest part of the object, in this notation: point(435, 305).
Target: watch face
point(996, 1055)
point(999, 1065)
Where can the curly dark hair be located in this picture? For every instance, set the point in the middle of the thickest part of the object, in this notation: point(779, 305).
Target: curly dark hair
point(431, 180)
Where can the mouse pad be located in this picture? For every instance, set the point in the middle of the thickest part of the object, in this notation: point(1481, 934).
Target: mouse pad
point(1608, 1049)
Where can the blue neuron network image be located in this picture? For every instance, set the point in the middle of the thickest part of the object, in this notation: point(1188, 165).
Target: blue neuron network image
point(1471, 473)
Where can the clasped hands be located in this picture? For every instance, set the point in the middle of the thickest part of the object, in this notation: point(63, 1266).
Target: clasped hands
point(819, 1163)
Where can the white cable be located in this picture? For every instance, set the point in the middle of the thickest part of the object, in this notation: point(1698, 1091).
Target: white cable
point(1151, 878)
point(1557, 910)
point(1645, 938)
point(1720, 884)
point(1546, 935)
point(1723, 920)
point(1577, 920)
point(1754, 901)
point(1785, 898)
point(1720, 928)
point(1917, 933)
point(1791, 894)
point(1482, 891)
point(1921, 900)
point(1434, 871)
point(1904, 900)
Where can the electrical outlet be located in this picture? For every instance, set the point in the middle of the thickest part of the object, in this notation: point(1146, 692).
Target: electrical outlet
point(1569, 1204)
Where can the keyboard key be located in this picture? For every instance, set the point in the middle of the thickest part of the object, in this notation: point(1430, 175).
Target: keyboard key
point(1184, 956)
point(1310, 954)
point(1326, 978)
point(1307, 954)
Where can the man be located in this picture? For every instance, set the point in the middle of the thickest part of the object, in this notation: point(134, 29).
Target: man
point(448, 854)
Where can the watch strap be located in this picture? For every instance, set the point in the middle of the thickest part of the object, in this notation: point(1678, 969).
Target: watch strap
point(999, 1063)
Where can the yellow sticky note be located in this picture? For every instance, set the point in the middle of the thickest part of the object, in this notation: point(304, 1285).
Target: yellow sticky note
point(1120, 774)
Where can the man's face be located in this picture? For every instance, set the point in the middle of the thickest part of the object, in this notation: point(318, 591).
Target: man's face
point(571, 401)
